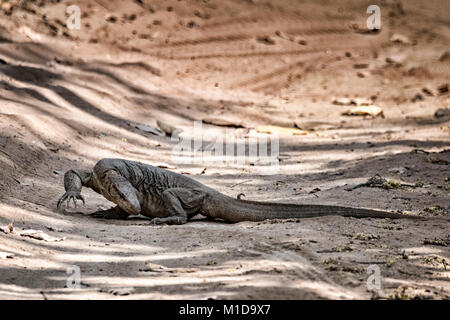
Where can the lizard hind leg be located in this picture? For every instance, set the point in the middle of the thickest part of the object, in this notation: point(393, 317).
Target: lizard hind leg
point(179, 204)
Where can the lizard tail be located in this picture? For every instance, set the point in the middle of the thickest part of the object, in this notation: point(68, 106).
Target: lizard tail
point(235, 210)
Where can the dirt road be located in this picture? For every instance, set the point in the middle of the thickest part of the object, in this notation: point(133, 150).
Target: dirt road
point(71, 97)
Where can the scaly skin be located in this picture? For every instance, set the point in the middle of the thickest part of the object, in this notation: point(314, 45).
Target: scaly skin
point(171, 198)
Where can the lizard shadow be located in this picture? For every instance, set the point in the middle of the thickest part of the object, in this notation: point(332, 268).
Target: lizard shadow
point(134, 219)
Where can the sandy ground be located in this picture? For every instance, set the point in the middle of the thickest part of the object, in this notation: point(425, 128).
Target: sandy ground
point(71, 97)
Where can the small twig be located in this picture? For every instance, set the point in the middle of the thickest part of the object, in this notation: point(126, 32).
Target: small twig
point(375, 181)
point(420, 151)
point(43, 295)
point(409, 185)
point(365, 184)
point(101, 4)
point(242, 182)
point(369, 262)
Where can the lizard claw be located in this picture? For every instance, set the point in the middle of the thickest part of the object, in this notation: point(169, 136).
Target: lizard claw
point(70, 195)
point(168, 220)
point(155, 221)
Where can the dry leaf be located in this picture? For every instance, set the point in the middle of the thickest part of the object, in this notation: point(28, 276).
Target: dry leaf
point(342, 101)
point(440, 113)
point(281, 130)
point(373, 111)
point(118, 291)
point(168, 129)
point(6, 255)
point(39, 235)
point(164, 166)
point(222, 122)
point(315, 125)
point(7, 229)
point(400, 38)
point(353, 101)
point(362, 101)
point(148, 129)
point(396, 59)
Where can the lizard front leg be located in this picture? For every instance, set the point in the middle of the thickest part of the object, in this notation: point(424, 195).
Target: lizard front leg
point(73, 184)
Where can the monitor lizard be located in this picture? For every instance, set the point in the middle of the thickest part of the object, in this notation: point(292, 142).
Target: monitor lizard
point(171, 198)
